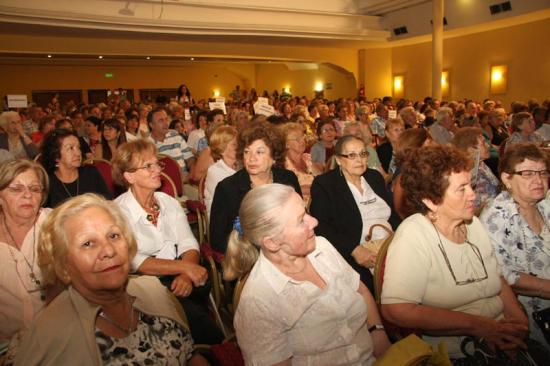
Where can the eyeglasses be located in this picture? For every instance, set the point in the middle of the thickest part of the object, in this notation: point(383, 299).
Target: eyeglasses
point(353, 156)
point(151, 166)
point(324, 130)
point(476, 252)
point(20, 188)
point(528, 174)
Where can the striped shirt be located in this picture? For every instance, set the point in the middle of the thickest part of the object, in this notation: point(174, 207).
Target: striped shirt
point(174, 146)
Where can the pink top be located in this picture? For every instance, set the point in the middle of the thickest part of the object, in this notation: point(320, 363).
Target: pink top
point(20, 301)
point(305, 178)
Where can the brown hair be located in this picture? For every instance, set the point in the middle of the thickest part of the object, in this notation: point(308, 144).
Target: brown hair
point(518, 119)
point(127, 156)
point(269, 135)
point(466, 137)
point(410, 139)
point(517, 153)
point(425, 174)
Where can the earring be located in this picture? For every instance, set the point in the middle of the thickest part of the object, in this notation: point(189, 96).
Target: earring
point(432, 216)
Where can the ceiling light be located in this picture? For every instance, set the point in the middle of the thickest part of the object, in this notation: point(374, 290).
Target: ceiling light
point(49, 56)
point(100, 57)
point(192, 59)
point(148, 58)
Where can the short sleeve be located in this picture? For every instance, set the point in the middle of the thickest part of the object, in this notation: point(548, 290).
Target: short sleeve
point(407, 265)
point(261, 336)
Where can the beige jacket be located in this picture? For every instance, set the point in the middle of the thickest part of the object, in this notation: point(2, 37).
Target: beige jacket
point(64, 333)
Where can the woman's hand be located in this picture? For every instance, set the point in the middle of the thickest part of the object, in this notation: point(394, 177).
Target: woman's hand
point(506, 334)
point(182, 285)
point(195, 272)
point(364, 256)
point(380, 342)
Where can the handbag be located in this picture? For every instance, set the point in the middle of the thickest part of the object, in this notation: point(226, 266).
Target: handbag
point(542, 319)
point(374, 245)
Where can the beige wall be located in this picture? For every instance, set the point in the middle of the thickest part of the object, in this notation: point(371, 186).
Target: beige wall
point(524, 48)
point(202, 78)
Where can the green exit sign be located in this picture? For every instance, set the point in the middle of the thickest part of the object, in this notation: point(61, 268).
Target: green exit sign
point(109, 75)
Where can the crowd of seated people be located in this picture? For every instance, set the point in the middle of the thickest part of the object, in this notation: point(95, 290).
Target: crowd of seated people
point(293, 201)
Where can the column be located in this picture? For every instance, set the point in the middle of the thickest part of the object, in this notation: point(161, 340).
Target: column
point(437, 47)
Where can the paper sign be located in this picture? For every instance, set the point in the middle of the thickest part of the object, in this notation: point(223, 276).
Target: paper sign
point(187, 114)
point(17, 101)
point(392, 114)
point(265, 109)
point(262, 100)
point(217, 105)
point(220, 100)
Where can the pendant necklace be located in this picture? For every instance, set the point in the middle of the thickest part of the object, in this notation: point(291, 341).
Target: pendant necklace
point(126, 330)
point(34, 279)
point(77, 187)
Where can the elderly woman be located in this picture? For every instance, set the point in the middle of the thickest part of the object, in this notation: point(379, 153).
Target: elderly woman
point(166, 246)
point(362, 131)
point(62, 159)
point(296, 160)
point(322, 151)
point(517, 221)
point(23, 189)
point(102, 317)
point(223, 148)
point(14, 139)
point(112, 135)
point(260, 147)
point(441, 274)
point(523, 130)
point(394, 128)
point(485, 184)
point(302, 303)
point(347, 201)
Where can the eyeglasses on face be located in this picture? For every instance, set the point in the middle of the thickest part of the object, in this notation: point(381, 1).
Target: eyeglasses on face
point(20, 188)
point(150, 166)
point(353, 156)
point(528, 173)
point(328, 129)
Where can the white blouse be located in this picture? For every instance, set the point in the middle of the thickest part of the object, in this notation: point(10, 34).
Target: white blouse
point(280, 318)
point(170, 238)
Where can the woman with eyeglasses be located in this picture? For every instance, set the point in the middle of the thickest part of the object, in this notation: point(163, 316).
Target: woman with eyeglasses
point(518, 223)
point(441, 276)
point(348, 201)
point(62, 159)
point(23, 188)
point(322, 150)
point(166, 247)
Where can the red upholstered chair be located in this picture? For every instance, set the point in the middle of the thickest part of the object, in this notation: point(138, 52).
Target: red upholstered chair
point(173, 170)
point(167, 185)
point(105, 169)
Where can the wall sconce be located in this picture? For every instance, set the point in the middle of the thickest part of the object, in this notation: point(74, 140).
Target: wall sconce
point(216, 93)
point(398, 86)
point(287, 89)
point(319, 86)
point(499, 76)
point(445, 83)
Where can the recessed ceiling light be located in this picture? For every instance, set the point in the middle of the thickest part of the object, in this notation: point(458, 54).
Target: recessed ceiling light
point(192, 59)
point(100, 57)
point(148, 57)
point(49, 56)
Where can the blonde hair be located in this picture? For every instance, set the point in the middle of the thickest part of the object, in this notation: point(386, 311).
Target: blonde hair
point(4, 119)
point(220, 138)
point(258, 219)
point(9, 170)
point(127, 156)
point(53, 242)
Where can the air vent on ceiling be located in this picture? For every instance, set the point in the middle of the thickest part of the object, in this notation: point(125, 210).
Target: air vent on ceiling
point(498, 8)
point(401, 30)
point(444, 21)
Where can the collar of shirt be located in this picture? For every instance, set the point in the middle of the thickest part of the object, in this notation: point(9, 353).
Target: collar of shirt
point(135, 210)
point(274, 276)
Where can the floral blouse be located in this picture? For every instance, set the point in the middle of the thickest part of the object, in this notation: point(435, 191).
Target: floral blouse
point(486, 185)
point(518, 249)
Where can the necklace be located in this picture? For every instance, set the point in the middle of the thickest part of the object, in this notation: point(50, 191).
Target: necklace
point(126, 330)
point(34, 279)
point(153, 212)
point(77, 187)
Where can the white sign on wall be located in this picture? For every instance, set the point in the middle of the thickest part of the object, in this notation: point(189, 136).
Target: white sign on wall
point(17, 101)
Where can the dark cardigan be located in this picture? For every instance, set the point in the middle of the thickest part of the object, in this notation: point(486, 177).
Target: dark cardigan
point(227, 202)
point(332, 203)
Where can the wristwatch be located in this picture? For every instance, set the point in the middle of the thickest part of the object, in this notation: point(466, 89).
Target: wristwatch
point(376, 327)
